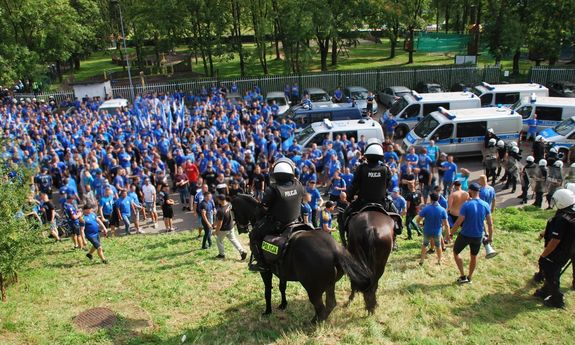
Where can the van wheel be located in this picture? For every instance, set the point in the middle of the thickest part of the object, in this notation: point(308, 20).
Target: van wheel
point(400, 132)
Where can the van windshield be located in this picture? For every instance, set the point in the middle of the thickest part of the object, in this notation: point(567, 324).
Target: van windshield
point(565, 127)
point(305, 134)
point(476, 92)
point(359, 95)
point(398, 106)
point(524, 111)
point(280, 101)
point(426, 126)
point(319, 97)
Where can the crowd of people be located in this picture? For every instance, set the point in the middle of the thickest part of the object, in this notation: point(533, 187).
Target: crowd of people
point(120, 167)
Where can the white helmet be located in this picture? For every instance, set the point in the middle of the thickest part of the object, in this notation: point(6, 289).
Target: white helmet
point(513, 143)
point(558, 164)
point(492, 142)
point(563, 198)
point(572, 165)
point(571, 187)
point(530, 159)
point(373, 149)
point(542, 163)
point(283, 169)
point(553, 150)
point(500, 143)
point(490, 130)
point(539, 137)
point(515, 149)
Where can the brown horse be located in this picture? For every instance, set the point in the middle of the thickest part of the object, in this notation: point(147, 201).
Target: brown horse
point(313, 258)
point(370, 241)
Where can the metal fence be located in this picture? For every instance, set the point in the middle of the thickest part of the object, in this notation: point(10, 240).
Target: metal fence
point(547, 74)
point(371, 79)
point(58, 96)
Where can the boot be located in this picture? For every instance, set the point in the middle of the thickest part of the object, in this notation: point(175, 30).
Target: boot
point(259, 264)
point(554, 301)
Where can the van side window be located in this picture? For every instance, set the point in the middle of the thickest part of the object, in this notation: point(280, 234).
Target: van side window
point(507, 98)
point(444, 132)
point(486, 99)
point(572, 136)
point(549, 113)
point(431, 107)
point(411, 111)
point(318, 139)
point(349, 135)
point(471, 129)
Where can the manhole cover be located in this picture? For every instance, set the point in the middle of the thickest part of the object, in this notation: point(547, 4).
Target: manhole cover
point(96, 318)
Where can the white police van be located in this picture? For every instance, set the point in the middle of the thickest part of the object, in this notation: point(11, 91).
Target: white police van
point(550, 110)
point(111, 106)
point(462, 132)
point(411, 108)
point(507, 94)
point(317, 132)
point(562, 136)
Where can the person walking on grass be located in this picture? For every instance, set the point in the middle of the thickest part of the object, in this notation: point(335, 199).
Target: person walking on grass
point(92, 225)
point(167, 208)
point(73, 218)
point(207, 211)
point(124, 207)
point(49, 215)
point(456, 199)
point(472, 217)
point(137, 208)
point(224, 227)
point(413, 199)
point(150, 200)
point(326, 217)
point(435, 218)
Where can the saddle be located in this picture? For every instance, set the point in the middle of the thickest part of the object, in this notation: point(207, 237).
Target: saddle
point(274, 247)
point(378, 208)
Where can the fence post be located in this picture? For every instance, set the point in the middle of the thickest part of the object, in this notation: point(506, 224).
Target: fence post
point(414, 82)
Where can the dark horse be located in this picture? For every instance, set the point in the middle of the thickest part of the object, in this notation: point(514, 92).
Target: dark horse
point(370, 241)
point(313, 258)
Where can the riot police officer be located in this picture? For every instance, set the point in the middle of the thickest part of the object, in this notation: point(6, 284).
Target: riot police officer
point(554, 180)
point(559, 249)
point(540, 182)
point(552, 156)
point(370, 181)
point(527, 177)
point(490, 157)
point(501, 153)
point(538, 148)
point(512, 168)
point(282, 201)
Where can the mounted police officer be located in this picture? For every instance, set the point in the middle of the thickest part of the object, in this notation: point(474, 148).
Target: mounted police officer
point(560, 233)
point(370, 182)
point(282, 201)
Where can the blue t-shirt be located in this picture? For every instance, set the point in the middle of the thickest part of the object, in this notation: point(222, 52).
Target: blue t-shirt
point(209, 207)
point(125, 206)
point(91, 227)
point(325, 219)
point(306, 211)
point(487, 194)
point(70, 211)
point(434, 215)
point(399, 203)
point(336, 183)
point(442, 201)
point(107, 204)
point(474, 211)
point(449, 174)
point(315, 197)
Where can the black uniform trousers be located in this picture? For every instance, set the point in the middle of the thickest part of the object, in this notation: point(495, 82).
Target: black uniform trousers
point(551, 272)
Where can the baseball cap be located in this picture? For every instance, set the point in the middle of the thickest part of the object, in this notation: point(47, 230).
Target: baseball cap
point(395, 189)
point(474, 187)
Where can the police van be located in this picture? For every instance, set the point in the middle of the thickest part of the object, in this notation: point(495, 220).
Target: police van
point(317, 132)
point(332, 111)
point(507, 94)
point(462, 132)
point(562, 137)
point(411, 108)
point(111, 106)
point(550, 110)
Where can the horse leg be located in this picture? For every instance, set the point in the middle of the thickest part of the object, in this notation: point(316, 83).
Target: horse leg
point(330, 301)
point(315, 297)
point(267, 278)
point(283, 285)
point(370, 299)
point(351, 297)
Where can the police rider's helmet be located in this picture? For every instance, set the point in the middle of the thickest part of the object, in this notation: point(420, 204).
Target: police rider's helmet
point(530, 159)
point(515, 149)
point(492, 142)
point(570, 186)
point(373, 149)
point(500, 143)
point(539, 137)
point(558, 164)
point(542, 163)
point(283, 169)
point(553, 150)
point(563, 198)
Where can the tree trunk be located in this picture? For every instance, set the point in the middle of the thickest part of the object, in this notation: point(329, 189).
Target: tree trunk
point(447, 4)
point(323, 50)
point(59, 70)
point(411, 46)
point(3, 287)
point(277, 43)
point(77, 62)
point(334, 51)
point(119, 48)
point(516, 58)
point(437, 17)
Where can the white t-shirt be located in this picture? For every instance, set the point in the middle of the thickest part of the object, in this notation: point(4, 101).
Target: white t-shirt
point(149, 193)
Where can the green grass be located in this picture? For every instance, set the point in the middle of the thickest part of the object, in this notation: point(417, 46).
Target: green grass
point(184, 291)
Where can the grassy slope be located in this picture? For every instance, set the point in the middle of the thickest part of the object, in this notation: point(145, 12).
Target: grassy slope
point(185, 291)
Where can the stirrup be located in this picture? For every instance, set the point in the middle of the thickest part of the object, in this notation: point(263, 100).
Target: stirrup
point(257, 267)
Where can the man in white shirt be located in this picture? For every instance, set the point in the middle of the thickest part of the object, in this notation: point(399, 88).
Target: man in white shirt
point(150, 200)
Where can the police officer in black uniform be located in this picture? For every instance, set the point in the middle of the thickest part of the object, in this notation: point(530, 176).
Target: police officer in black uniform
point(559, 249)
point(370, 182)
point(282, 201)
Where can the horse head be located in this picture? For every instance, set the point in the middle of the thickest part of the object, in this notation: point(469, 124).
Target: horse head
point(246, 210)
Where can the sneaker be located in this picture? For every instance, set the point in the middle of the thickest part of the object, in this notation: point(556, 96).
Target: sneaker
point(89, 256)
point(105, 262)
point(243, 255)
point(395, 246)
point(155, 225)
point(140, 231)
point(431, 251)
point(463, 280)
point(220, 256)
point(420, 262)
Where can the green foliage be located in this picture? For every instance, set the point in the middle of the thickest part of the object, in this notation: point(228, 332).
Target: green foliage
point(526, 219)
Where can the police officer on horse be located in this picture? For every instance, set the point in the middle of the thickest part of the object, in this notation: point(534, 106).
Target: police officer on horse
point(282, 201)
point(370, 182)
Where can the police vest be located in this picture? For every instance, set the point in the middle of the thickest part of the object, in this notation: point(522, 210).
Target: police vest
point(286, 207)
point(531, 170)
point(374, 179)
point(554, 175)
point(491, 153)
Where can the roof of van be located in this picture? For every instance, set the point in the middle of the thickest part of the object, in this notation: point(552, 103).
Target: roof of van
point(558, 101)
point(475, 114)
point(484, 87)
point(314, 90)
point(275, 94)
point(441, 96)
point(323, 106)
point(344, 125)
point(115, 103)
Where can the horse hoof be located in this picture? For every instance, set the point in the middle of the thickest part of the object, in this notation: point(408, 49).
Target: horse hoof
point(282, 306)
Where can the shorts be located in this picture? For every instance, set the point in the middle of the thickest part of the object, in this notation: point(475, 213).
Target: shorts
point(462, 241)
point(453, 218)
point(168, 212)
point(427, 239)
point(95, 240)
point(150, 206)
point(53, 226)
point(75, 229)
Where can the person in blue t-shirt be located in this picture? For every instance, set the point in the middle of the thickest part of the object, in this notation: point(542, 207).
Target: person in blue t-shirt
point(336, 186)
point(92, 225)
point(487, 192)
point(326, 217)
point(472, 217)
point(315, 202)
point(73, 219)
point(435, 218)
point(449, 172)
point(306, 209)
point(531, 128)
point(124, 206)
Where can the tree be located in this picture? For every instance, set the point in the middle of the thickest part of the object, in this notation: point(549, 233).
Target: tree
point(502, 28)
point(18, 234)
point(260, 10)
point(412, 11)
point(236, 27)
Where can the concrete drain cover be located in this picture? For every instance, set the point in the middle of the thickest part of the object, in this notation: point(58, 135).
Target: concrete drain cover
point(96, 318)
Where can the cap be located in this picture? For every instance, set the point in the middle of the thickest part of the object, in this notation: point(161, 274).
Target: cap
point(311, 181)
point(475, 187)
point(395, 189)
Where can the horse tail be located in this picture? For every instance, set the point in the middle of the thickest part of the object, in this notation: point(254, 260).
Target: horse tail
point(358, 273)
